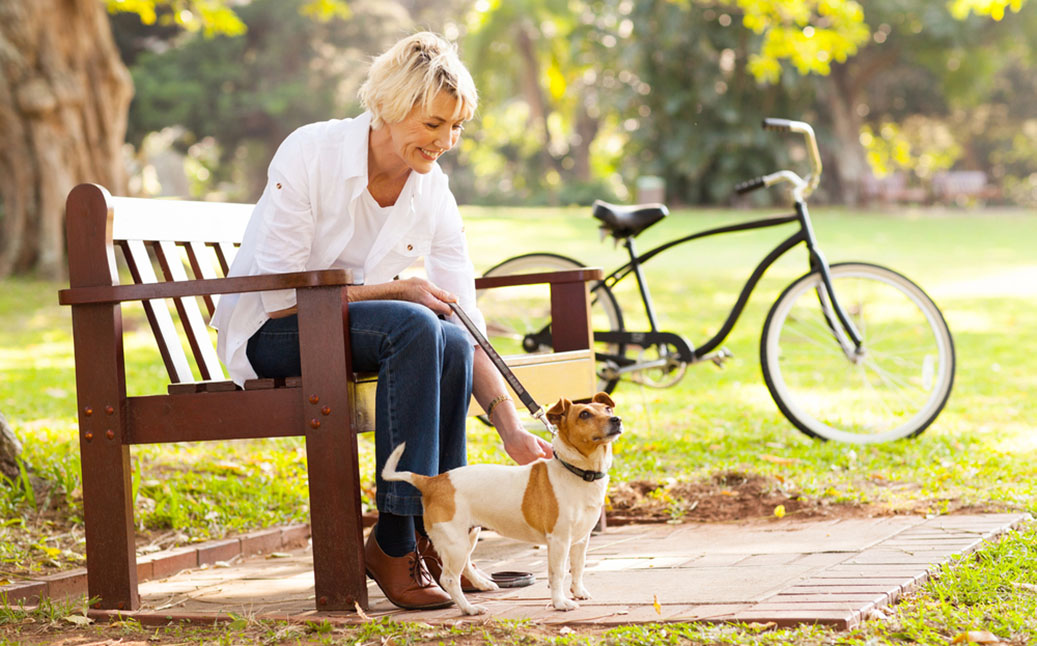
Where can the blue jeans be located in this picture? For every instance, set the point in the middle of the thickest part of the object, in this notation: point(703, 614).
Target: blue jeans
point(424, 367)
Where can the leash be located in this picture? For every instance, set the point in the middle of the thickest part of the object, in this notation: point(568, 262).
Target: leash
point(535, 409)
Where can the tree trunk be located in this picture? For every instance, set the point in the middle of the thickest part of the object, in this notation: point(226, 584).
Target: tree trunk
point(9, 450)
point(850, 161)
point(64, 101)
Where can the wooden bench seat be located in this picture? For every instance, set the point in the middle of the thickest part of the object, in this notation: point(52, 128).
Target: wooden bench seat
point(177, 254)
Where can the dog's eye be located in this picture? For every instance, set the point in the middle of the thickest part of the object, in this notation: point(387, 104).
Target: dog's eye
point(585, 414)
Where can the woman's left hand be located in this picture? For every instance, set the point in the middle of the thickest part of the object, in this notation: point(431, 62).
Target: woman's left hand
point(524, 447)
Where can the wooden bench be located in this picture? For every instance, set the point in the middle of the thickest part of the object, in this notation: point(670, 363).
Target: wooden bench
point(192, 245)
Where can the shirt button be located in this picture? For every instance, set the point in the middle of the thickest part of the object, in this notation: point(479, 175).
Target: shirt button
point(410, 247)
point(279, 185)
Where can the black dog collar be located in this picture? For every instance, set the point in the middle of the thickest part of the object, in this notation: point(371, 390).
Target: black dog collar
point(585, 474)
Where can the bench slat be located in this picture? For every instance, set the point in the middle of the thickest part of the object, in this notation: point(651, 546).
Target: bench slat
point(201, 258)
point(157, 219)
point(190, 314)
point(157, 310)
point(226, 252)
point(232, 415)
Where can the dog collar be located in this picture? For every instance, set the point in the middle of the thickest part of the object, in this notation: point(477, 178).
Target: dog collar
point(585, 474)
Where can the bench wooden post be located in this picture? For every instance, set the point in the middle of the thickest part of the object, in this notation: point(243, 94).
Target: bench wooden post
point(101, 395)
point(331, 450)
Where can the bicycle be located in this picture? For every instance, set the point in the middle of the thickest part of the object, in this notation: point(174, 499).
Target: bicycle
point(850, 351)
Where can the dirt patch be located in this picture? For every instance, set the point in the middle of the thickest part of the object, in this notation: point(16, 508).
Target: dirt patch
point(729, 496)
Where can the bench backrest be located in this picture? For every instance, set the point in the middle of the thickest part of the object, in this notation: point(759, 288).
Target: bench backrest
point(185, 240)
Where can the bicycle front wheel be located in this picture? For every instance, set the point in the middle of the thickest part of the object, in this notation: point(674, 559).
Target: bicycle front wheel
point(518, 319)
point(894, 389)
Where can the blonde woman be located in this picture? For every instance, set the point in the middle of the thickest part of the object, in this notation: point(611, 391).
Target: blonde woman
point(367, 194)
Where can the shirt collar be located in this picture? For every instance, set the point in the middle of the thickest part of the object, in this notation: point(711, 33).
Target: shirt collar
point(355, 153)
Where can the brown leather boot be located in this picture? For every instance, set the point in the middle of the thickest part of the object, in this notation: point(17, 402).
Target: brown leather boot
point(405, 580)
point(435, 566)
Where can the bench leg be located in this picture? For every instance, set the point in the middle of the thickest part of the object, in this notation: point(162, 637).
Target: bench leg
point(331, 452)
point(107, 505)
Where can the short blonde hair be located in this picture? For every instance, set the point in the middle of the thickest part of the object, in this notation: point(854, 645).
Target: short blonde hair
point(413, 72)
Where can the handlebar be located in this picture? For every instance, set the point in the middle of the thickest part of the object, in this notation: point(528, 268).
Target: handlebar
point(750, 185)
point(801, 187)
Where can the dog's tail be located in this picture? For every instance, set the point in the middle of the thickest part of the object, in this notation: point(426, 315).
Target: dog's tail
point(390, 473)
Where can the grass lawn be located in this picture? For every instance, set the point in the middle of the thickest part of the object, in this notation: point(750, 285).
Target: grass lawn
point(979, 267)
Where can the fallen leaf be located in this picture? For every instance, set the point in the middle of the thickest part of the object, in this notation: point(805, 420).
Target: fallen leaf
point(360, 611)
point(79, 620)
point(278, 555)
point(728, 492)
point(1026, 586)
point(977, 637)
point(779, 511)
point(655, 604)
point(777, 459)
point(565, 630)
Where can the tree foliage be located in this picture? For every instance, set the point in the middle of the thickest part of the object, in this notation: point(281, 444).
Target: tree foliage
point(580, 98)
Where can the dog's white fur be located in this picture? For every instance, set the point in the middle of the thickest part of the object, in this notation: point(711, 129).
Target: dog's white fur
point(542, 502)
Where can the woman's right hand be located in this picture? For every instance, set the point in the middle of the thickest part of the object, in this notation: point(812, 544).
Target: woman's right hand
point(420, 291)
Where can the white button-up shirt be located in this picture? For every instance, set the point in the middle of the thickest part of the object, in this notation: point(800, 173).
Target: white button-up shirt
point(304, 220)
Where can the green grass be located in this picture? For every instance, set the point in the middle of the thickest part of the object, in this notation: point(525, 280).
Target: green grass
point(979, 268)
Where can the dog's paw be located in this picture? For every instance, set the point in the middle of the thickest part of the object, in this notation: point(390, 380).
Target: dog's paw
point(564, 604)
point(482, 583)
point(580, 592)
point(472, 609)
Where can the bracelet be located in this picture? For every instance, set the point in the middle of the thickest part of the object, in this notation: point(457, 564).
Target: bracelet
point(505, 397)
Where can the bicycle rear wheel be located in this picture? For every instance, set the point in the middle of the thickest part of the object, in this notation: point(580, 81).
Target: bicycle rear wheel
point(894, 389)
point(518, 318)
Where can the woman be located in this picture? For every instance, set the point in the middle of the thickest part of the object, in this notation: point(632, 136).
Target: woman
point(367, 194)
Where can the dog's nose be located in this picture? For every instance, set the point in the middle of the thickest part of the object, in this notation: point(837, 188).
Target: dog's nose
point(616, 420)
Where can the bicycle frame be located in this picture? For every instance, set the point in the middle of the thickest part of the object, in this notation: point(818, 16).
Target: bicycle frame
point(846, 333)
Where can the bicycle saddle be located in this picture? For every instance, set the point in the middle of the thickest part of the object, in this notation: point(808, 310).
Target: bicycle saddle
point(628, 221)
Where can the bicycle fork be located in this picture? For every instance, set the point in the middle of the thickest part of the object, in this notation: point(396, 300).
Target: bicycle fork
point(839, 323)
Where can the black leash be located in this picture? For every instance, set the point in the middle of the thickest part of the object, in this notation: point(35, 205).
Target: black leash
point(535, 409)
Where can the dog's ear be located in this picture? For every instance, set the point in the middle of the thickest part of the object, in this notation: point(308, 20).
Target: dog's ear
point(556, 412)
point(603, 398)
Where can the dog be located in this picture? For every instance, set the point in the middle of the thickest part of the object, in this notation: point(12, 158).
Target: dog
point(554, 501)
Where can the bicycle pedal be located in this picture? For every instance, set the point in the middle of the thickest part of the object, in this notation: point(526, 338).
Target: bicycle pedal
point(719, 357)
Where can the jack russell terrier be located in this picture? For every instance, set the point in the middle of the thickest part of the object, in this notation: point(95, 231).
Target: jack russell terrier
point(551, 501)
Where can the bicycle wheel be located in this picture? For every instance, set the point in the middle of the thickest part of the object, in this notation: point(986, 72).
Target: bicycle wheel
point(894, 389)
point(518, 318)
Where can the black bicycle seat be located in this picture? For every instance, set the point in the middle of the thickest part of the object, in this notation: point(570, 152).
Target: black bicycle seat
point(627, 221)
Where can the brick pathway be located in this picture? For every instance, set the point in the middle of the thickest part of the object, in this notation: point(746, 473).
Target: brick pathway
point(834, 572)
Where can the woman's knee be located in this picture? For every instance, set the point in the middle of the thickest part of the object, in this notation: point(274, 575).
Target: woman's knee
point(456, 342)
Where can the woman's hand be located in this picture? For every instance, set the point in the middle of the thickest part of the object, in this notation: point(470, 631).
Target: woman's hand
point(416, 290)
point(420, 291)
point(524, 447)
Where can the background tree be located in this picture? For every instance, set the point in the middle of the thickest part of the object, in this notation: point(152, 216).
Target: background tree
point(64, 95)
point(64, 99)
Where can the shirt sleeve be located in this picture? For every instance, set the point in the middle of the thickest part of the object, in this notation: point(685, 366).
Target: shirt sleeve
point(285, 237)
point(448, 264)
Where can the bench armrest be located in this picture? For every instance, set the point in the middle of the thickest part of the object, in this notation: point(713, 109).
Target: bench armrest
point(550, 277)
point(202, 287)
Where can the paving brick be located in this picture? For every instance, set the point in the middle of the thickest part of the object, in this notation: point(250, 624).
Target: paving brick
point(294, 536)
point(24, 592)
point(169, 562)
point(261, 542)
point(66, 584)
point(213, 551)
point(837, 618)
point(145, 570)
point(823, 559)
point(758, 560)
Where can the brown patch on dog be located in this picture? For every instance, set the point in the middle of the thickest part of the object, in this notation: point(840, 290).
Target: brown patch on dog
point(437, 496)
point(539, 504)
